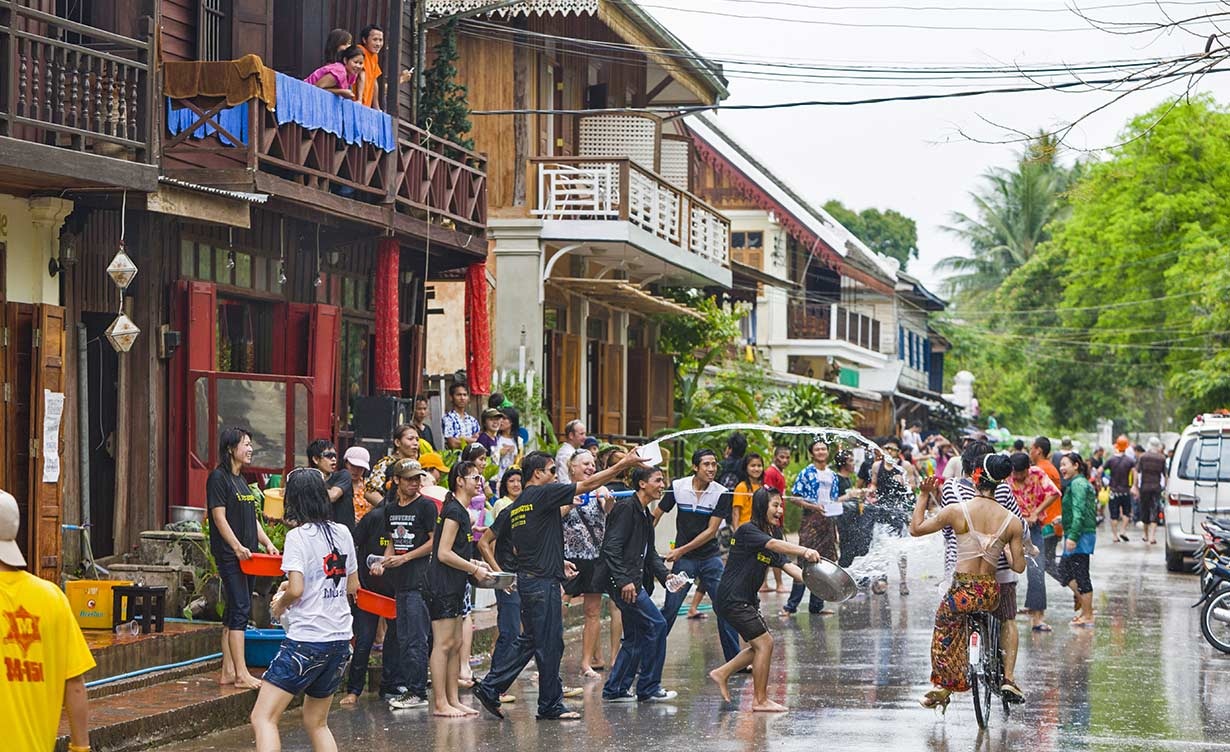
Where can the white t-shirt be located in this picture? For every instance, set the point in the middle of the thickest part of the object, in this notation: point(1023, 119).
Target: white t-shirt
point(322, 613)
point(562, 455)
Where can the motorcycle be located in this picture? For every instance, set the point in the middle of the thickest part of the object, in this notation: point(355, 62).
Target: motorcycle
point(1216, 540)
point(1215, 599)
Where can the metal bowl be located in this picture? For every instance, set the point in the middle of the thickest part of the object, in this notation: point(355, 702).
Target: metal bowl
point(499, 581)
point(186, 514)
point(828, 581)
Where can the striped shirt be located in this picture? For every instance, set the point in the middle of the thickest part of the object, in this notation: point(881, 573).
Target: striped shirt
point(962, 489)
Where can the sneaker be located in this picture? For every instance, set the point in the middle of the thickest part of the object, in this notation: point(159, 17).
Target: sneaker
point(407, 702)
point(629, 697)
point(396, 693)
point(571, 692)
point(662, 695)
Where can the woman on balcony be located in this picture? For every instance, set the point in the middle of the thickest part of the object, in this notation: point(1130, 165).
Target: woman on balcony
point(339, 77)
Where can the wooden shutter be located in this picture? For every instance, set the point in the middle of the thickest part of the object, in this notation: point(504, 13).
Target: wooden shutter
point(661, 392)
point(610, 404)
point(326, 337)
point(252, 28)
point(292, 346)
point(200, 344)
point(19, 343)
point(638, 391)
point(45, 498)
point(570, 380)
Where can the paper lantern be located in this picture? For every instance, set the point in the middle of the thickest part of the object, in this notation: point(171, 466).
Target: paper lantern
point(122, 333)
point(121, 269)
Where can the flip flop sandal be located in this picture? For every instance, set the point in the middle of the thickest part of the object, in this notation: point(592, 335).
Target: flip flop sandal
point(1043, 628)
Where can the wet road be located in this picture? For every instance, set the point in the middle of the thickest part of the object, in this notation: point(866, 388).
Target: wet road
point(1142, 679)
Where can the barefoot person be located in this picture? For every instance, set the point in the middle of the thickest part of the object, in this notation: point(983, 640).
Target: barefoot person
point(233, 536)
point(755, 547)
point(450, 565)
point(1080, 528)
point(983, 530)
point(322, 571)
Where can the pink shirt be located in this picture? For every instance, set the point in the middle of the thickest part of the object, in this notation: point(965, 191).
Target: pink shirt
point(338, 70)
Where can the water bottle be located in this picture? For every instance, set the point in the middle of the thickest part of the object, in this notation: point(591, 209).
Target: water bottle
point(373, 560)
point(975, 648)
point(678, 581)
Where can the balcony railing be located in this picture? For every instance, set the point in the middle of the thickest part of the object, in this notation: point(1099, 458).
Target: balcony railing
point(619, 190)
point(420, 173)
point(834, 322)
point(74, 86)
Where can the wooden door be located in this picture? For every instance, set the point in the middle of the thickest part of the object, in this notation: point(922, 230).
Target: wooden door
point(201, 355)
point(611, 404)
point(661, 392)
point(570, 381)
point(252, 28)
point(47, 376)
point(638, 391)
point(5, 385)
point(19, 344)
point(326, 337)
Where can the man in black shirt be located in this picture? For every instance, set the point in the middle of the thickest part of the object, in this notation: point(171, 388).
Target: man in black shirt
point(410, 519)
point(537, 535)
point(628, 565)
point(322, 455)
point(703, 504)
point(371, 539)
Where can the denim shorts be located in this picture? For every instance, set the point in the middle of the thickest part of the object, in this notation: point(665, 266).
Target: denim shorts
point(313, 668)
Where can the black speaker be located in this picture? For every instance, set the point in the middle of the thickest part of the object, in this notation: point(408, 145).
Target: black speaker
point(376, 417)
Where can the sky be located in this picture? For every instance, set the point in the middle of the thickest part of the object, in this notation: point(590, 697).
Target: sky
point(922, 158)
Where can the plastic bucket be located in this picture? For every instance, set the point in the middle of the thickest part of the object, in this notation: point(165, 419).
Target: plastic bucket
point(261, 645)
point(375, 603)
point(274, 504)
point(262, 565)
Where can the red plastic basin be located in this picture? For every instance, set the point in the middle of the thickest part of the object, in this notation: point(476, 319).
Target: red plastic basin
point(375, 603)
point(262, 565)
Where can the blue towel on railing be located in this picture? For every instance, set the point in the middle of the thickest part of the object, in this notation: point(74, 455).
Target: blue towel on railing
point(314, 108)
point(233, 119)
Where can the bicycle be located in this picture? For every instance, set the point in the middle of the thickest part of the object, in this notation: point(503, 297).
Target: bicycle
point(986, 665)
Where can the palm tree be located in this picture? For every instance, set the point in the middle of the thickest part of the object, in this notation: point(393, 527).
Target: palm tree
point(1012, 216)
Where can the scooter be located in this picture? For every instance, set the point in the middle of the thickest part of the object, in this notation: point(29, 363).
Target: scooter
point(1215, 599)
point(1216, 539)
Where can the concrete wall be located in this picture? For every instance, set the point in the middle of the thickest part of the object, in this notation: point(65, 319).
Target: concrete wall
point(31, 230)
point(446, 332)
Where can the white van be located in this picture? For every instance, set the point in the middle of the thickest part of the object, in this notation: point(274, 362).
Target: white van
point(1197, 486)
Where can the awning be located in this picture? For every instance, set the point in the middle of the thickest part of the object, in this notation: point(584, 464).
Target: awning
point(752, 274)
point(623, 295)
point(925, 403)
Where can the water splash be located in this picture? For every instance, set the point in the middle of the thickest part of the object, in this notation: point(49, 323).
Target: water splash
point(825, 433)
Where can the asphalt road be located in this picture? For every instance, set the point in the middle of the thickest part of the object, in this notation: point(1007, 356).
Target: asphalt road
point(1142, 679)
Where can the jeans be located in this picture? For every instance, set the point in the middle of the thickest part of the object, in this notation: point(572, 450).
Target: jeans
point(413, 633)
point(642, 650)
point(709, 572)
point(365, 625)
point(507, 622)
point(541, 639)
point(1035, 572)
point(236, 595)
point(815, 604)
point(1048, 551)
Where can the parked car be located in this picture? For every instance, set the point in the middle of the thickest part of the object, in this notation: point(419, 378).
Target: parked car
point(1197, 485)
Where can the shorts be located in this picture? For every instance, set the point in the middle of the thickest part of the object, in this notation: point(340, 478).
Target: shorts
point(745, 618)
point(1076, 567)
point(585, 581)
point(1006, 611)
point(446, 606)
point(1148, 506)
point(1120, 504)
point(236, 595)
point(311, 668)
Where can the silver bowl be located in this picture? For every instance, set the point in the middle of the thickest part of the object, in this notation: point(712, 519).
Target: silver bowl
point(499, 581)
point(186, 514)
point(828, 581)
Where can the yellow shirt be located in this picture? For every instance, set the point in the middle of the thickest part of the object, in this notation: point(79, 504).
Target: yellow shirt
point(741, 504)
point(42, 647)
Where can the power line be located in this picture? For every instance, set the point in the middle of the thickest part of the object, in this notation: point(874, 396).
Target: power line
point(967, 8)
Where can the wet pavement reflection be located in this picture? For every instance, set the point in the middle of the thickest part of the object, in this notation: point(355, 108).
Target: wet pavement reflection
point(1142, 679)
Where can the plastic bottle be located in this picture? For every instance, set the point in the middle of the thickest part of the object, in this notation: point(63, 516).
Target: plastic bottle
point(678, 581)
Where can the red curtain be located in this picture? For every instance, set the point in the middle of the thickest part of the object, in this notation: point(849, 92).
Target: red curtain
point(478, 330)
point(388, 318)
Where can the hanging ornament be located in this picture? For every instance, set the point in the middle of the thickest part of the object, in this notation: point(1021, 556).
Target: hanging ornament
point(122, 333)
point(230, 248)
point(281, 273)
point(318, 281)
point(121, 269)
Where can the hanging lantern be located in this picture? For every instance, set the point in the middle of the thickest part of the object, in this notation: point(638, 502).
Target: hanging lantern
point(121, 269)
point(122, 333)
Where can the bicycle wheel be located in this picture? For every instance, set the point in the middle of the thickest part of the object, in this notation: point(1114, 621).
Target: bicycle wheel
point(982, 705)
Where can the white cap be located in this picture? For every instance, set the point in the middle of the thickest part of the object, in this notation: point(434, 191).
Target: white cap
point(359, 457)
point(10, 520)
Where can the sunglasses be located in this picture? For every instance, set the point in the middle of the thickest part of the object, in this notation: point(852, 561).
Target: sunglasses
point(330, 455)
point(550, 470)
point(473, 477)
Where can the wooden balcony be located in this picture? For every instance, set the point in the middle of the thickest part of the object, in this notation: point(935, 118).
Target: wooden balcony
point(77, 98)
point(830, 321)
point(606, 190)
point(422, 179)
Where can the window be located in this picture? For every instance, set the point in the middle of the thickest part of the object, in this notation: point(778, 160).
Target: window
point(213, 33)
point(233, 268)
point(748, 248)
point(1217, 461)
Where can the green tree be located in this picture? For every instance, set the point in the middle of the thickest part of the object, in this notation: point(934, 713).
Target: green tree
point(442, 108)
point(888, 232)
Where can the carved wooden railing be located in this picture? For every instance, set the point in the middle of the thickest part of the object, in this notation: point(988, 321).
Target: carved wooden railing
point(587, 188)
point(832, 321)
point(89, 94)
point(439, 177)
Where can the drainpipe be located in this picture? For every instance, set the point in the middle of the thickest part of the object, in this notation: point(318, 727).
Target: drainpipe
point(83, 427)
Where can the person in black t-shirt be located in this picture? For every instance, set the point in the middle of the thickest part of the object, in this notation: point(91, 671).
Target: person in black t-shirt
point(409, 520)
point(371, 539)
point(322, 455)
point(755, 547)
point(234, 534)
point(451, 550)
point(536, 531)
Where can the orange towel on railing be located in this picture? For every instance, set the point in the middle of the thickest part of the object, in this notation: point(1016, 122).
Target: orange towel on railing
point(237, 80)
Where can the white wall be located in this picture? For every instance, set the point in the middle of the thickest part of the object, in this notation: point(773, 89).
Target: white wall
point(31, 229)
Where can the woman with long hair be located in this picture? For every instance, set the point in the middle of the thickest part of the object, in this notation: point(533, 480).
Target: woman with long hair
point(751, 474)
point(478, 509)
point(313, 605)
point(508, 448)
point(756, 545)
point(234, 533)
point(1080, 525)
point(405, 447)
point(447, 573)
point(983, 530)
point(584, 529)
point(337, 42)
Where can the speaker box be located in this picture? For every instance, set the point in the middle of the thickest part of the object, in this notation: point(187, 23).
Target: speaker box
point(376, 417)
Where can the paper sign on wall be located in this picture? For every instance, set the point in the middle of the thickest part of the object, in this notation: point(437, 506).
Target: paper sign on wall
point(53, 411)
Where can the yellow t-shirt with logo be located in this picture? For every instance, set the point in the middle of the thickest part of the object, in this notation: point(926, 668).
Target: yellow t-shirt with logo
point(42, 647)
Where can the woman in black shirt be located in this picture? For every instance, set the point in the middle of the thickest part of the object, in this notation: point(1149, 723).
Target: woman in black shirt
point(756, 546)
point(451, 551)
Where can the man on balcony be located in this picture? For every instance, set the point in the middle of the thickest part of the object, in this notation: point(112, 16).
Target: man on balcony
point(459, 426)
